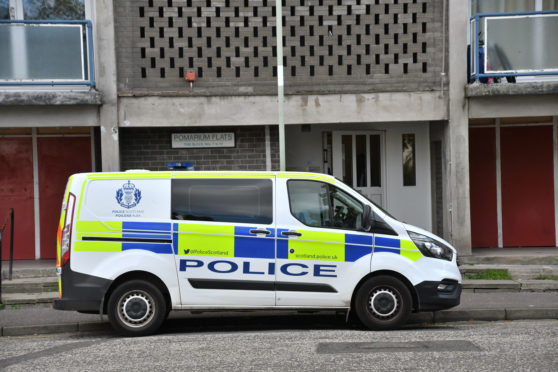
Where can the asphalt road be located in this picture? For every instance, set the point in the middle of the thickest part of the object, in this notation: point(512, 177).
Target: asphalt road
point(303, 343)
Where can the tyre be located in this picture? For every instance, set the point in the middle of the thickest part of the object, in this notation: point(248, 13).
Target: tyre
point(136, 308)
point(383, 302)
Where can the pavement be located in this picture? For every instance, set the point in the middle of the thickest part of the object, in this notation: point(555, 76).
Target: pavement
point(19, 320)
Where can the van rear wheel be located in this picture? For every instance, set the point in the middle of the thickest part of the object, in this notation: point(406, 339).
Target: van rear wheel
point(136, 308)
point(383, 302)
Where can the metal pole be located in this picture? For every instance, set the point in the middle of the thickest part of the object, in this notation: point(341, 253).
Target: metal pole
point(280, 83)
point(12, 218)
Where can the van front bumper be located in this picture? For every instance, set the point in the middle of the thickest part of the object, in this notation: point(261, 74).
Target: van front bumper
point(438, 295)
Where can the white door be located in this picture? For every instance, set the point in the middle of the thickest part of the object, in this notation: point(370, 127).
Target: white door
point(358, 160)
point(224, 240)
point(322, 252)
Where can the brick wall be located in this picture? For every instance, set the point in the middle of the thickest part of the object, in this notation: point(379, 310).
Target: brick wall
point(329, 45)
point(150, 148)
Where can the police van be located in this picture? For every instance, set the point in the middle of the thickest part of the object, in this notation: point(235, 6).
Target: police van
point(136, 245)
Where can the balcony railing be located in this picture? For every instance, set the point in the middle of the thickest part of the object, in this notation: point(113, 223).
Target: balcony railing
point(46, 53)
point(513, 44)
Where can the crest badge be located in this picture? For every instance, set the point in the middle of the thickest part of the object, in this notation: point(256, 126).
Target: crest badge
point(128, 196)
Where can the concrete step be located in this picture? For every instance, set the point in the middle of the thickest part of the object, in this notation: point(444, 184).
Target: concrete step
point(481, 286)
point(494, 286)
point(30, 285)
point(517, 272)
point(512, 256)
point(539, 285)
point(28, 298)
point(29, 269)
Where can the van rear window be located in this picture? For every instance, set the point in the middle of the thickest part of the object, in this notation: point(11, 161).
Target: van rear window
point(223, 200)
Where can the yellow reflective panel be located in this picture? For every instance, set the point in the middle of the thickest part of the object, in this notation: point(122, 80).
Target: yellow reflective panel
point(99, 226)
point(411, 255)
point(205, 240)
point(242, 175)
point(130, 175)
point(81, 199)
point(407, 244)
point(319, 246)
point(308, 176)
point(96, 234)
point(92, 246)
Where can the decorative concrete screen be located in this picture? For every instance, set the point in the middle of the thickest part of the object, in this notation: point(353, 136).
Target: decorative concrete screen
point(339, 45)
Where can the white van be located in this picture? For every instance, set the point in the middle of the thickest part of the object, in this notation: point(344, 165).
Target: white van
point(136, 245)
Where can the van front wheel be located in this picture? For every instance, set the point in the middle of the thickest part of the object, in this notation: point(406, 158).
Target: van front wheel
point(136, 308)
point(383, 302)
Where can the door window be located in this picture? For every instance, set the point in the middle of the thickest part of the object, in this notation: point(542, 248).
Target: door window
point(317, 204)
point(223, 200)
point(4, 9)
point(54, 9)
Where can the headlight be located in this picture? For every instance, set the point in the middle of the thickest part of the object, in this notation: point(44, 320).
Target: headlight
point(430, 247)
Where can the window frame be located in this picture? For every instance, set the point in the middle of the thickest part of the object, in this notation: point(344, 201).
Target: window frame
point(272, 202)
point(329, 201)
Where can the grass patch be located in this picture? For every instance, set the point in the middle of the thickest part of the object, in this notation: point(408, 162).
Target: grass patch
point(2, 306)
point(490, 274)
point(15, 307)
point(546, 277)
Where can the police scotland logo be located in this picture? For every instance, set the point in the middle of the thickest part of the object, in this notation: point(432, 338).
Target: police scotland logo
point(128, 196)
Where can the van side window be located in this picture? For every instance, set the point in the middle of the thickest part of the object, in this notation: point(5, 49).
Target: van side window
point(318, 204)
point(223, 200)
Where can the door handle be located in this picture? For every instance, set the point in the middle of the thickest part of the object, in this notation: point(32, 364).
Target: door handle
point(291, 233)
point(266, 232)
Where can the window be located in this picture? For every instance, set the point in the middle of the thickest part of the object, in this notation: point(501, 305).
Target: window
point(317, 204)
point(309, 203)
point(223, 200)
point(42, 10)
point(45, 53)
point(54, 9)
point(409, 162)
point(4, 9)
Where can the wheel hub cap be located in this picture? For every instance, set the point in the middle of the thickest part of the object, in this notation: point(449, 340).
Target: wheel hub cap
point(383, 303)
point(136, 308)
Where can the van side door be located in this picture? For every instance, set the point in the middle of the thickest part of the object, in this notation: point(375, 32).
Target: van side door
point(224, 240)
point(322, 251)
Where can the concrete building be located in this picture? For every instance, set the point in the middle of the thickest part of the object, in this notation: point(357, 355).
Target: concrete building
point(376, 93)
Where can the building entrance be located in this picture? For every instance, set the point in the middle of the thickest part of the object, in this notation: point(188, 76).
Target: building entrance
point(359, 160)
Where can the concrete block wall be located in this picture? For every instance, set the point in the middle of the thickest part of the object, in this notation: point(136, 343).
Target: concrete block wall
point(329, 45)
point(150, 148)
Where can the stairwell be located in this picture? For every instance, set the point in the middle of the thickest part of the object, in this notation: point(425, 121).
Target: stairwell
point(531, 269)
point(33, 282)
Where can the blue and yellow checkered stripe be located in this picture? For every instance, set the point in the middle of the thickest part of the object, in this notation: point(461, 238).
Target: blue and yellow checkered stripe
point(405, 248)
point(324, 246)
point(234, 241)
point(118, 236)
point(222, 241)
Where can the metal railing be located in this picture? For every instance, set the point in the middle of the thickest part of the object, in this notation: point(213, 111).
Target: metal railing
point(53, 52)
point(12, 219)
point(513, 44)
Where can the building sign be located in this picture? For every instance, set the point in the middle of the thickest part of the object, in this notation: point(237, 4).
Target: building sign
point(202, 140)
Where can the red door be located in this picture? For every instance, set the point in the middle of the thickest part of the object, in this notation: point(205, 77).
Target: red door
point(16, 191)
point(527, 186)
point(59, 157)
point(482, 165)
